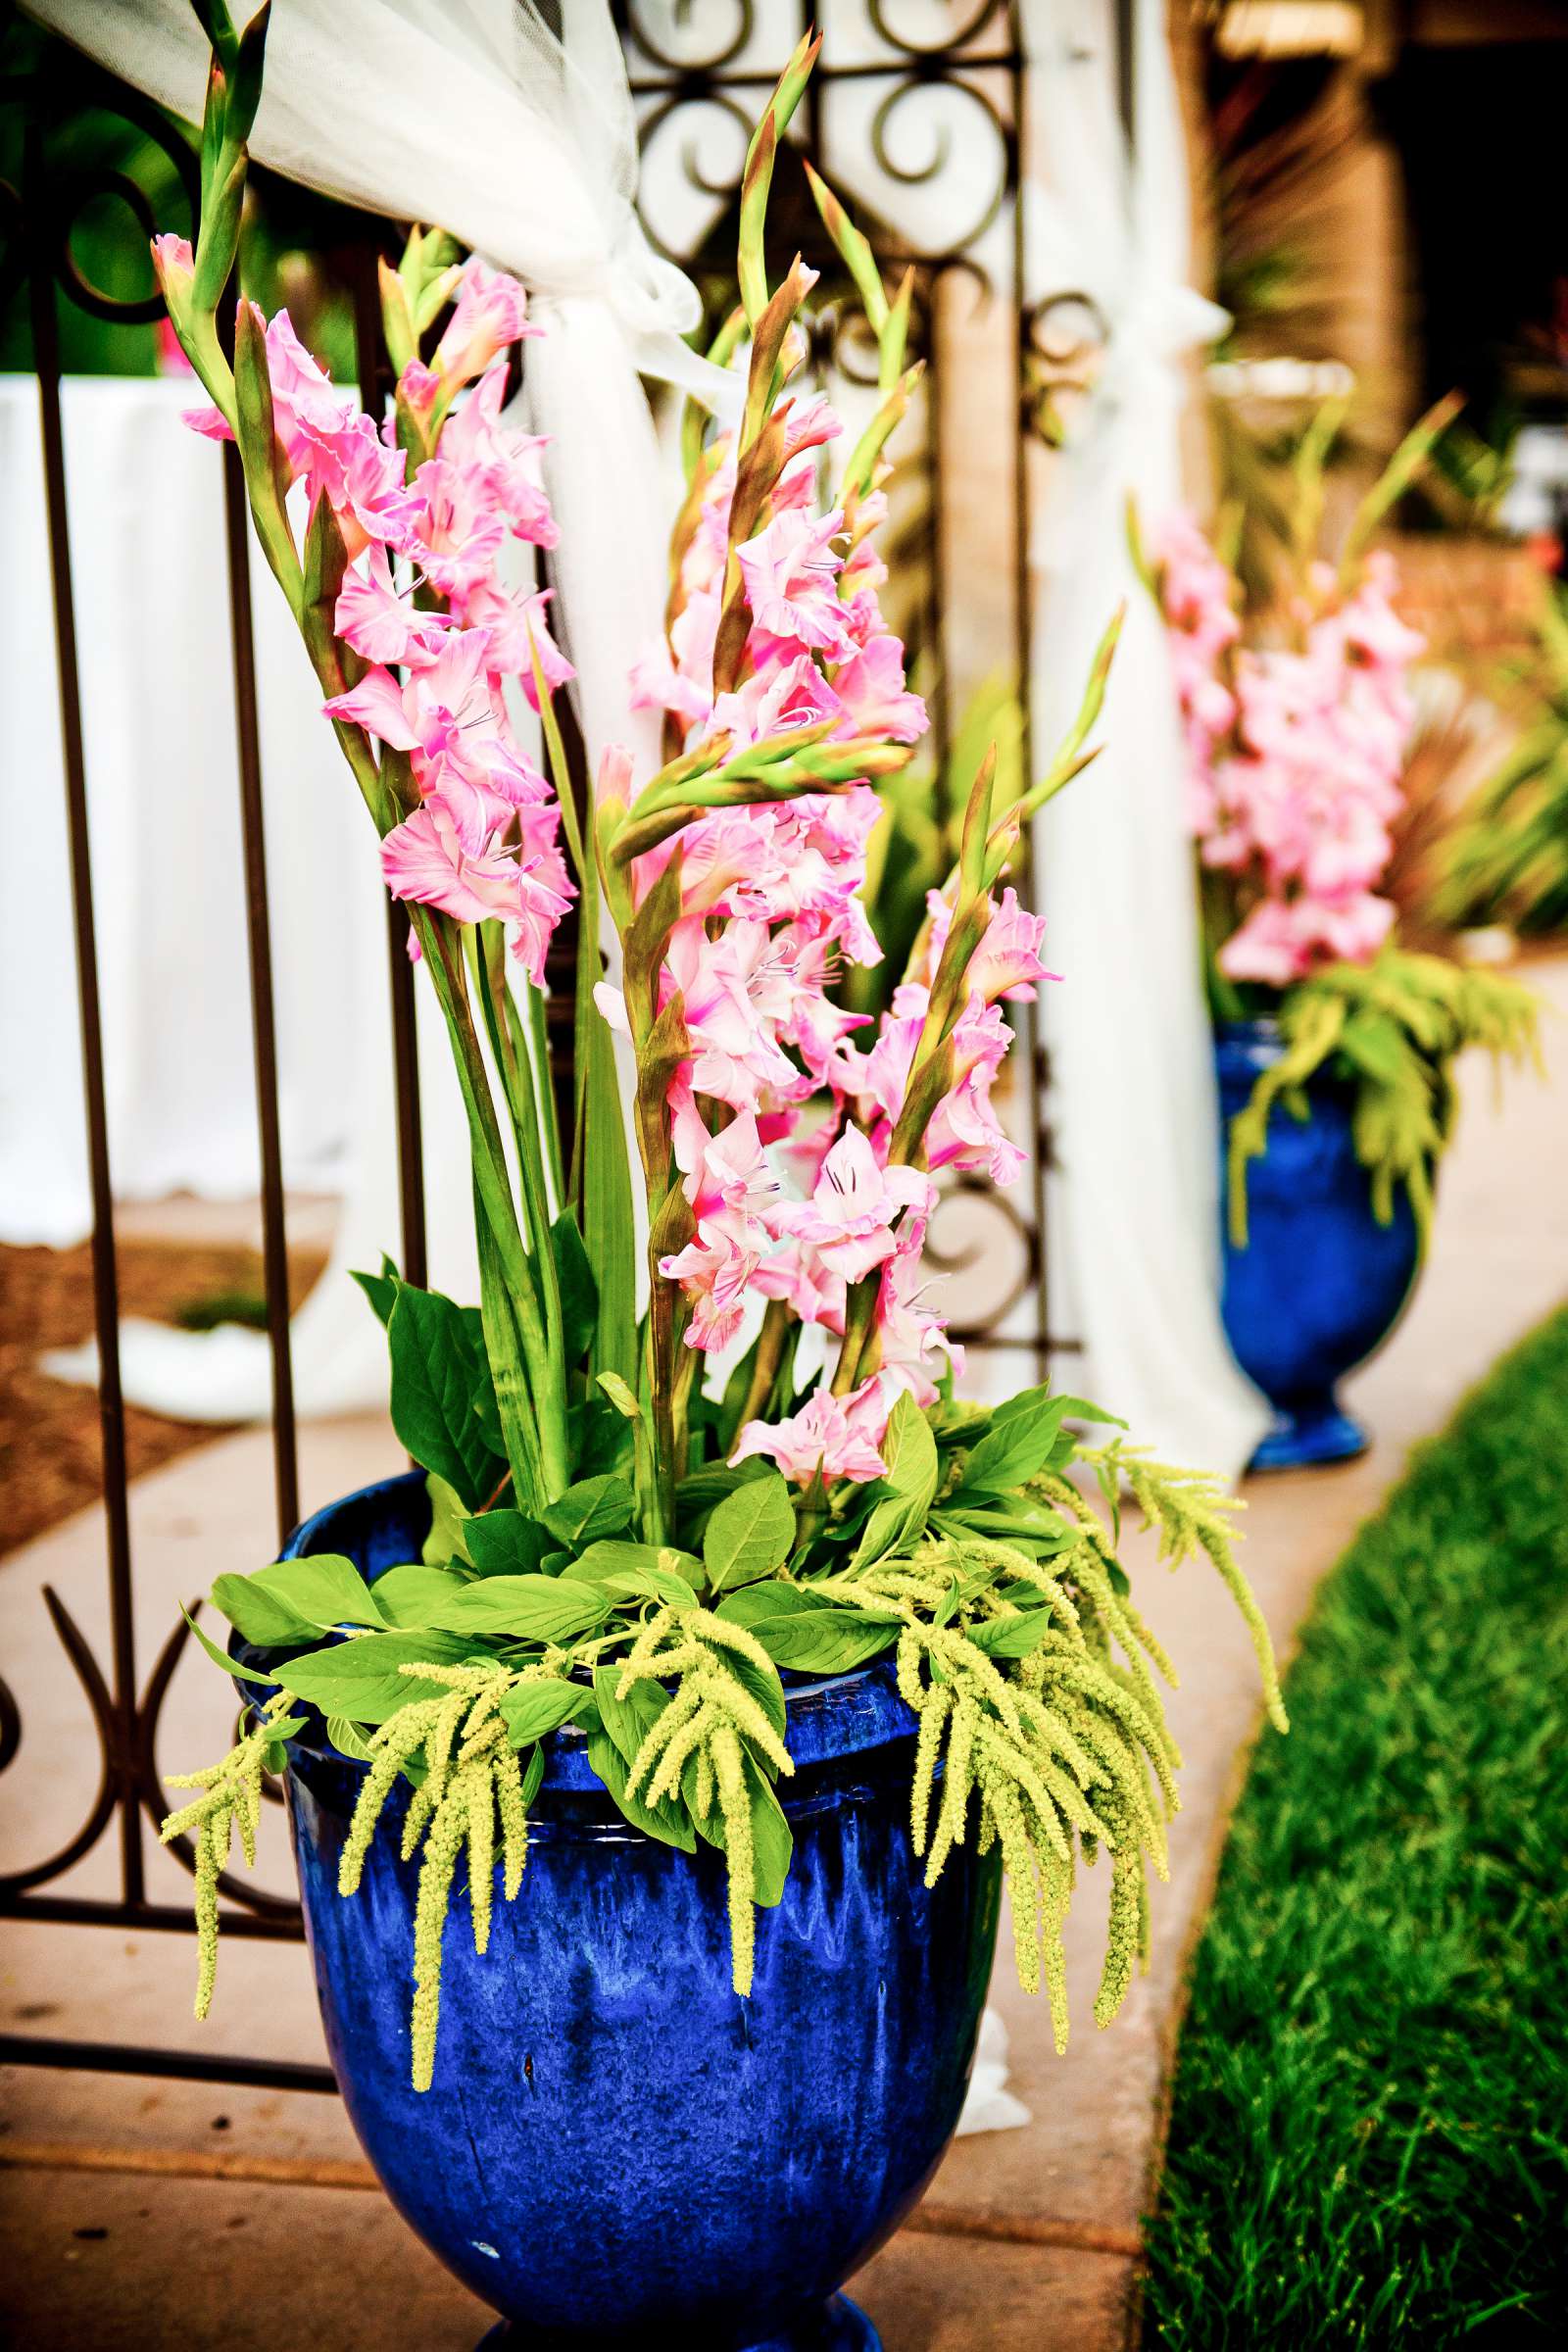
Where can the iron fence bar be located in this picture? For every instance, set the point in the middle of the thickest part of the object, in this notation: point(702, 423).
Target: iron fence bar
point(121, 1760)
point(127, 2058)
point(264, 1020)
point(282, 1925)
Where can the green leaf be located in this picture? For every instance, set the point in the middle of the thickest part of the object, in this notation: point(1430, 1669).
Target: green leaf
point(506, 1543)
point(594, 1506)
point(750, 1533)
point(634, 1568)
point(360, 1679)
point(443, 1402)
point(612, 1747)
point(381, 1290)
point(406, 1596)
point(295, 1600)
point(1012, 1637)
point(627, 1721)
point(906, 1494)
point(220, 1657)
point(772, 1844)
point(620, 1396)
point(530, 1608)
point(579, 1292)
point(445, 1542)
point(1016, 1446)
point(345, 1738)
point(812, 1635)
point(530, 1711)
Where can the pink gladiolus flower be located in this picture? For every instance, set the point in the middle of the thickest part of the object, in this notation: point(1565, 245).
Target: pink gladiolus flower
point(850, 1218)
point(714, 1279)
point(791, 575)
point(456, 534)
point(1007, 962)
point(491, 314)
point(174, 267)
point(796, 695)
point(911, 1341)
point(516, 624)
point(423, 860)
point(381, 625)
point(446, 715)
point(814, 1291)
point(506, 465)
point(737, 989)
point(731, 1189)
point(871, 688)
point(833, 1435)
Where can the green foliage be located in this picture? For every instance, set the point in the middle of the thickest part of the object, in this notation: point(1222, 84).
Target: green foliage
point(1508, 860)
point(443, 1399)
point(978, 1562)
point(1389, 1029)
point(1368, 2142)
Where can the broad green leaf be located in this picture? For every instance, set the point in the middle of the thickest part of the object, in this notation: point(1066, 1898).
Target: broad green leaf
point(633, 1568)
point(294, 1600)
point(530, 1608)
point(506, 1543)
point(360, 1680)
point(448, 1511)
point(346, 1739)
point(628, 1720)
point(220, 1657)
point(532, 1710)
point(614, 1743)
point(406, 1596)
point(579, 1292)
point(381, 1290)
point(762, 1684)
point(443, 1403)
point(1012, 1637)
point(814, 1636)
point(772, 1844)
point(594, 1506)
point(750, 1533)
point(899, 1516)
point(1016, 1446)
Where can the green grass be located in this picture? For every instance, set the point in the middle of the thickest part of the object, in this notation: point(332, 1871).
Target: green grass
point(1369, 2141)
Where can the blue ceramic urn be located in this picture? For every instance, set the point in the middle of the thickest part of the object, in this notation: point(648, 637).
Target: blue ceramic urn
point(1320, 1282)
point(617, 2150)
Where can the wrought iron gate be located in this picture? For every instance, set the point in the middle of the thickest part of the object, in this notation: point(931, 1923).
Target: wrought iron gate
point(685, 89)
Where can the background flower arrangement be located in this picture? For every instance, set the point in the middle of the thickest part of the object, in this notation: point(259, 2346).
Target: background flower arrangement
point(622, 1550)
point(1298, 720)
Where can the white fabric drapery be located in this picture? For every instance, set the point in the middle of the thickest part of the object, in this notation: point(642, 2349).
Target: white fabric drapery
point(1134, 1240)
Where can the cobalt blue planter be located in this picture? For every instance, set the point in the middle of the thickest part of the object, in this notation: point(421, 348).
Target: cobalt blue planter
point(1321, 1282)
point(615, 2150)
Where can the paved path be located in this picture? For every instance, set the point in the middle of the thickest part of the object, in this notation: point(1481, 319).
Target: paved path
point(134, 2214)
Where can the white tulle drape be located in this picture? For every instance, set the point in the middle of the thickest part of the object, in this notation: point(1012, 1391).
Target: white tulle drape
point(1134, 1240)
point(473, 114)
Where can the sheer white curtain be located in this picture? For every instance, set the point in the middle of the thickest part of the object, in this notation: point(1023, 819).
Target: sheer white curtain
point(1134, 1229)
point(471, 114)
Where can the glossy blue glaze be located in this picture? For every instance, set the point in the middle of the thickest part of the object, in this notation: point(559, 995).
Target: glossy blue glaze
point(1320, 1283)
point(616, 2151)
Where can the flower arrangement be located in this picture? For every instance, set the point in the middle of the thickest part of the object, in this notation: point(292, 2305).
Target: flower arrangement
point(634, 1543)
point(1296, 724)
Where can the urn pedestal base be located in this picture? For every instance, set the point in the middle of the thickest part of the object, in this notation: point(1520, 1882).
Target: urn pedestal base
point(1310, 1434)
point(838, 2325)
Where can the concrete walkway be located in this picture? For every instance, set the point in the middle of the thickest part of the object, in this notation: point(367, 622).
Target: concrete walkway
point(139, 2213)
